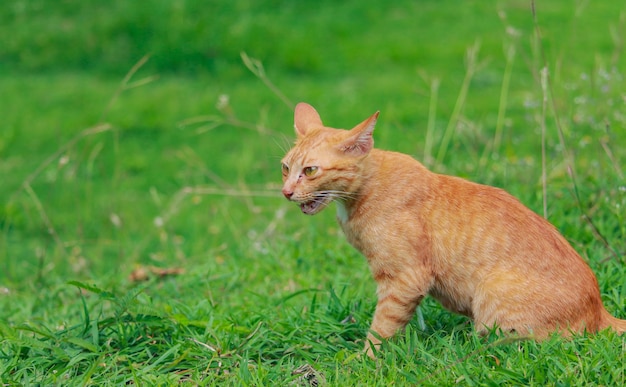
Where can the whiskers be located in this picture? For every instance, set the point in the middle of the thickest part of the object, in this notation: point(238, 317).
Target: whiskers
point(333, 195)
point(315, 201)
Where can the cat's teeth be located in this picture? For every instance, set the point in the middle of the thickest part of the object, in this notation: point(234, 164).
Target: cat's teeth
point(316, 205)
point(310, 208)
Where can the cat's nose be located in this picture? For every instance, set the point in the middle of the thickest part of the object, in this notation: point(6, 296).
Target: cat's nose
point(288, 193)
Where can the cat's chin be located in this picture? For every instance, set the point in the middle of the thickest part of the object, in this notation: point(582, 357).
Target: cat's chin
point(314, 206)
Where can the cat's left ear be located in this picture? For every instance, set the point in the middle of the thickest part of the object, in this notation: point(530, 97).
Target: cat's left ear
point(360, 140)
point(305, 117)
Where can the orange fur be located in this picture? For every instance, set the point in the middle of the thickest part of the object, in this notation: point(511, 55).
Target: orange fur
point(475, 248)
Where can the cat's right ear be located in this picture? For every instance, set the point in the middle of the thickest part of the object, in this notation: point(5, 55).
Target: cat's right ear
point(305, 117)
point(360, 139)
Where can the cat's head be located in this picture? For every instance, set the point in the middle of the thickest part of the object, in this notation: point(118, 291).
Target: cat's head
point(325, 163)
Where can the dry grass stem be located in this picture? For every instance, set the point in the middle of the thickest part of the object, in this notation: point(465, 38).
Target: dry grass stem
point(472, 67)
point(256, 67)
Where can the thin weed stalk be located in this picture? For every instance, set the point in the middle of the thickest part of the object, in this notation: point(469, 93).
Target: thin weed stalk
point(26, 185)
point(213, 121)
point(179, 198)
point(617, 34)
point(567, 154)
point(609, 153)
point(432, 119)
point(124, 85)
point(104, 127)
point(472, 67)
point(256, 67)
point(228, 118)
point(504, 93)
point(44, 217)
point(542, 121)
point(549, 101)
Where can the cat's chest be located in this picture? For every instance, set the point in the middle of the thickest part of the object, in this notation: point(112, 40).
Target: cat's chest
point(343, 218)
point(354, 230)
point(342, 213)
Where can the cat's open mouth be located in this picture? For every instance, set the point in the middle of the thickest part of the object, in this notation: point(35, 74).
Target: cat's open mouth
point(314, 206)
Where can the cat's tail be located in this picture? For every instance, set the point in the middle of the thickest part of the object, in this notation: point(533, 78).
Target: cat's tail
point(608, 321)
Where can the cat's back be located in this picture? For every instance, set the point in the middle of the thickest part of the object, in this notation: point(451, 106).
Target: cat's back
point(473, 218)
point(483, 227)
point(482, 232)
point(464, 221)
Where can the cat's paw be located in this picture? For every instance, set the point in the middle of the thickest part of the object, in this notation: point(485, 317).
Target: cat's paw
point(371, 348)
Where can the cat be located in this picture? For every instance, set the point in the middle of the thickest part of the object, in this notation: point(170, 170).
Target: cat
point(476, 249)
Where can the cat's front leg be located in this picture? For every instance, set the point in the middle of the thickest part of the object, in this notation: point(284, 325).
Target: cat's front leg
point(396, 305)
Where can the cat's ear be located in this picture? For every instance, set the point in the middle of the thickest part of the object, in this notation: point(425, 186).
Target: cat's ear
point(305, 117)
point(360, 139)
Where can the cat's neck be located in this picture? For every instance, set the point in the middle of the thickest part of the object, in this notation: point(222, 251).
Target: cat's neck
point(363, 185)
point(377, 183)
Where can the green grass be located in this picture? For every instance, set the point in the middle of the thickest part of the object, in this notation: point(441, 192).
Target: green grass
point(177, 167)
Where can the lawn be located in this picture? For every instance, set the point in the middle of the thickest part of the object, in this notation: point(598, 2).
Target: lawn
point(143, 237)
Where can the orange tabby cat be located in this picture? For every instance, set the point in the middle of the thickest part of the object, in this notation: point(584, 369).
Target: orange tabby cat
point(475, 248)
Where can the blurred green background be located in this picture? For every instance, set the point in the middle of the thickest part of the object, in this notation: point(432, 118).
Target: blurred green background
point(137, 134)
point(62, 65)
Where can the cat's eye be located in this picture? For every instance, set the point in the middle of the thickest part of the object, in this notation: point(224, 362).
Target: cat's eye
point(285, 169)
point(310, 171)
